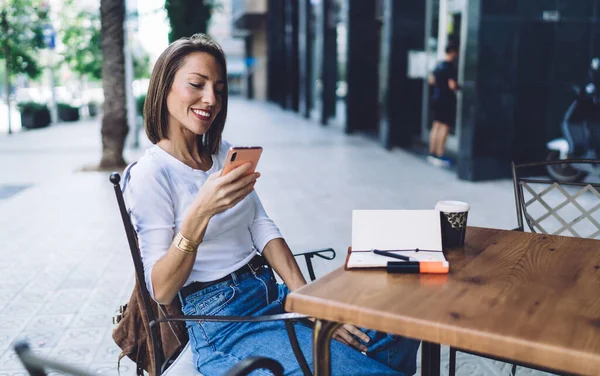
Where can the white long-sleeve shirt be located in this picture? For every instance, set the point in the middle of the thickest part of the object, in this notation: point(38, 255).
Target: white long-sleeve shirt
point(158, 191)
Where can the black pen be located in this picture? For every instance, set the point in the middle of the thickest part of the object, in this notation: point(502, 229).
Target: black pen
point(390, 254)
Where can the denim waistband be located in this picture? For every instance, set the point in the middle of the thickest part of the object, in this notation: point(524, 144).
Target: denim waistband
point(254, 265)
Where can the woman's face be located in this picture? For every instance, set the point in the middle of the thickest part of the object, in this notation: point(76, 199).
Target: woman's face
point(195, 97)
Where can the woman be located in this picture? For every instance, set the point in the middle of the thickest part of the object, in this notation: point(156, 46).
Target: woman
point(199, 232)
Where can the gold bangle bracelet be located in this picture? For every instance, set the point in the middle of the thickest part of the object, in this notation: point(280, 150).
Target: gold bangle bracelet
point(184, 244)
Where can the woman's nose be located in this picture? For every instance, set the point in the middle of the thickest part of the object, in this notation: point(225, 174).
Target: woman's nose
point(208, 96)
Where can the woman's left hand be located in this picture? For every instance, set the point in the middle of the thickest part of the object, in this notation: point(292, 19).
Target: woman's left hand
point(347, 335)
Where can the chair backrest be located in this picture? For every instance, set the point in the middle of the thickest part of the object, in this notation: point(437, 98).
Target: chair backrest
point(554, 207)
point(153, 330)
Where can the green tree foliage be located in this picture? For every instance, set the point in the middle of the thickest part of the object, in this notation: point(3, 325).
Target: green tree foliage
point(141, 66)
point(21, 35)
point(188, 17)
point(80, 34)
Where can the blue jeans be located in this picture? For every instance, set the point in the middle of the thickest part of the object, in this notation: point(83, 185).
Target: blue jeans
point(218, 346)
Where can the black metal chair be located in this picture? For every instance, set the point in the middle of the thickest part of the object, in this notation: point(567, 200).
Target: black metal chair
point(37, 365)
point(160, 363)
point(550, 207)
point(554, 207)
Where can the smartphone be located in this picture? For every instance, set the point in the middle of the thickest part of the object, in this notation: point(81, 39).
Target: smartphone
point(238, 155)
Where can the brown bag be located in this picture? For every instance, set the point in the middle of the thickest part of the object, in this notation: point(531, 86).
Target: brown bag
point(132, 336)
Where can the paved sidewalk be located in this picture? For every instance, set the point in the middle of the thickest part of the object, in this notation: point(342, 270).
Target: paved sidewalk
point(64, 260)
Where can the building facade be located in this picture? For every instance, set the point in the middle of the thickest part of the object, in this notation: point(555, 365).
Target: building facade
point(362, 66)
point(221, 30)
point(250, 24)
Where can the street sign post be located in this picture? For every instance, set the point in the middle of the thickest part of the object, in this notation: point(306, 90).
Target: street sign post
point(49, 36)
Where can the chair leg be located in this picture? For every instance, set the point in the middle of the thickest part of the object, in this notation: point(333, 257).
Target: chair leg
point(513, 370)
point(289, 326)
point(309, 265)
point(452, 365)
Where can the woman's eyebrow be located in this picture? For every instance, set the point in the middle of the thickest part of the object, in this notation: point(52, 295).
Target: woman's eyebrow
point(206, 77)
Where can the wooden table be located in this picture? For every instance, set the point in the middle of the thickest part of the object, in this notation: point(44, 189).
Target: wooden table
point(530, 298)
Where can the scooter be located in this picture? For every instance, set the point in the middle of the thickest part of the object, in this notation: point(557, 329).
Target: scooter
point(581, 131)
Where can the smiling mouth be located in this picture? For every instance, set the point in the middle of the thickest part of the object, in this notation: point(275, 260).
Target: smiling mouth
point(202, 114)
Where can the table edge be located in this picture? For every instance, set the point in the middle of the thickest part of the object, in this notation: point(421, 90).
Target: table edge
point(552, 352)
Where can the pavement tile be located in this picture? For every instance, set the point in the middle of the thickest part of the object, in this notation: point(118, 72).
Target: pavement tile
point(61, 307)
point(75, 283)
point(9, 286)
point(6, 338)
point(11, 365)
point(10, 321)
point(22, 307)
point(6, 297)
point(108, 351)
point(80, 353)
point(42, 337)
point(127, 368)
point(81, 336)
point(14, 372)
point(55, 321)
point(91, 319)
point(68, 295)
point(31, 295)
point(95, 306)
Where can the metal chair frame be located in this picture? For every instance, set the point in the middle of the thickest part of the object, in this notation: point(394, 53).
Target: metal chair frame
point(522, 183)
point(160, 363)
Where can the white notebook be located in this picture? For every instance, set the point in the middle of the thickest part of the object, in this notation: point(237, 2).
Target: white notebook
point(397, 231)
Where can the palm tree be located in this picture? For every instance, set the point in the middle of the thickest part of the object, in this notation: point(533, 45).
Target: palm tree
point(114, 119)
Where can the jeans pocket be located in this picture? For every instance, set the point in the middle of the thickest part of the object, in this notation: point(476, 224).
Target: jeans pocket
point(214, 301)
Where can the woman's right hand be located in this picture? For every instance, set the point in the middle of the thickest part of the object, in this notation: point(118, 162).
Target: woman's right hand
point(220, 193)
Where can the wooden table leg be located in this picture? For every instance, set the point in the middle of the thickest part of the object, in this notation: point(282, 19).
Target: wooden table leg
point(322, 333)
point(430, 359)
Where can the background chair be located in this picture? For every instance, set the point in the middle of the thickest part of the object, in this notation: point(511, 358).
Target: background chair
point(164, 366)
point(551, 207)
point(554, 207)
point(37, 365)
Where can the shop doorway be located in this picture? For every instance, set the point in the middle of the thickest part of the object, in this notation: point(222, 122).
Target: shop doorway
point(446, 24)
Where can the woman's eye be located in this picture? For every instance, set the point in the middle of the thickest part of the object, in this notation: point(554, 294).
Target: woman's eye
point(196, 85)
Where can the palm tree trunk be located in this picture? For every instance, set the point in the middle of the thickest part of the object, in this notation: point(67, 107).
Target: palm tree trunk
point(114, 119)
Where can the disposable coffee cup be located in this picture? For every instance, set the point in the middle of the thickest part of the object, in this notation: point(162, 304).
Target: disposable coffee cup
point(453, 218)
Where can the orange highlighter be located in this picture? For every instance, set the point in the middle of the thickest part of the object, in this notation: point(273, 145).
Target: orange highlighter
point(436, 267)
point(408, 266)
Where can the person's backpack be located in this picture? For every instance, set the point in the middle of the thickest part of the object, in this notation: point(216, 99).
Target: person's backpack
point(132, 336)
